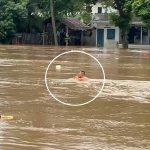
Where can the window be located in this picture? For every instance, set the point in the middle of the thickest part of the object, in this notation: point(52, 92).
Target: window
point(111, 34)
point(100, 10)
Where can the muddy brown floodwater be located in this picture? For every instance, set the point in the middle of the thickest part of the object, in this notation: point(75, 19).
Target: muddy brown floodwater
point(119, 119)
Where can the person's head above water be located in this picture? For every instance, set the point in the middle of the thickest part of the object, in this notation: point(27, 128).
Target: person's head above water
point(81, 76)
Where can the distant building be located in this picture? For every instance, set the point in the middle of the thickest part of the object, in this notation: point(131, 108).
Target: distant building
point(70, 31)
point(74, 31)
point(108, 35)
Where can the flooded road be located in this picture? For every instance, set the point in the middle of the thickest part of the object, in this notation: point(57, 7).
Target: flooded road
point(119, 119)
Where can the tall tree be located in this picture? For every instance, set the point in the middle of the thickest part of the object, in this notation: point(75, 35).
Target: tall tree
point(53, 22)
point(28, 15)
point(122, 18)
point(36, 14)
point(58, 9)
point(12, 18)
point(142, 9)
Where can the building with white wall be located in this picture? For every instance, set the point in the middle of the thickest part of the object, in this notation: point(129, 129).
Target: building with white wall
point(108, 35)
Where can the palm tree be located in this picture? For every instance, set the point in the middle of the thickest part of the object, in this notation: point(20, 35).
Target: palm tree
point(53, 22)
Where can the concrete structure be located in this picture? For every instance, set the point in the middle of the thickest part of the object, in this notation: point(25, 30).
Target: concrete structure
point(108, 36)
point(89, 37)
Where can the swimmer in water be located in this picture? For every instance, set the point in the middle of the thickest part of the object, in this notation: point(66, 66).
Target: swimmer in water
point(81, 76)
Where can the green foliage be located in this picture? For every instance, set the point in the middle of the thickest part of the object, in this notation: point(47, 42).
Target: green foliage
point(39, 10)
point(142, 9)
point(74, 8)
point(123, 16)
point(85, 17)
point(7, 30)
point(29, 15)
point(12, 18)
point(62, 8)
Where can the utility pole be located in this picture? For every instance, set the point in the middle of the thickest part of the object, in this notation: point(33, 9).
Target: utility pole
point(53, 22)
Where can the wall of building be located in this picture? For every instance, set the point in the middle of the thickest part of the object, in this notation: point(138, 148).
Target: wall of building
point(104, 9)
point(101, 21)
point(89, 39)
point(108, 43)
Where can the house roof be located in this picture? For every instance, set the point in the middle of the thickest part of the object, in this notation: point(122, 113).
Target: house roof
point(75, 24)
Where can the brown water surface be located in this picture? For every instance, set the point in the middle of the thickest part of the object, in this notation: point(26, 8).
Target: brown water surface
point(119, 119)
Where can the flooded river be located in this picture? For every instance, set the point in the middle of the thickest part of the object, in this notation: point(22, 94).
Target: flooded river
point(118, 119)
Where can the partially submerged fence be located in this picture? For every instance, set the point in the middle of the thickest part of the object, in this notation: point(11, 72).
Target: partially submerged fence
point(31, 38)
